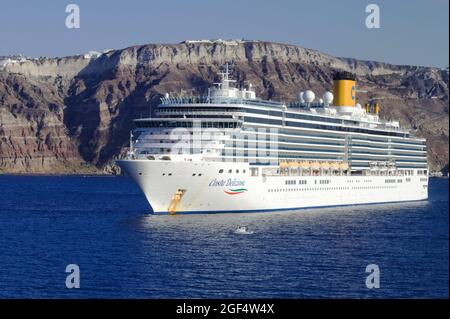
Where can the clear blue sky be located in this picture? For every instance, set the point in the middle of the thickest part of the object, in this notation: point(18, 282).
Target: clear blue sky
point(412, 31)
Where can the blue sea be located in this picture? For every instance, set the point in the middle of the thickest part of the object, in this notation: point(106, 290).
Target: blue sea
point(103, 225)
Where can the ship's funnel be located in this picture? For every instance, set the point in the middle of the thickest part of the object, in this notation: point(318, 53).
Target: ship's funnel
point(377, 109)
point(344, 89)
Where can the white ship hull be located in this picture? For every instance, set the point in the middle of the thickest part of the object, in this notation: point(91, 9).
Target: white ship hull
point(204, 189)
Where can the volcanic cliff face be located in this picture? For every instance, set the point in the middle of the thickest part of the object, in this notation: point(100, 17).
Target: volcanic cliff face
point(73, 114)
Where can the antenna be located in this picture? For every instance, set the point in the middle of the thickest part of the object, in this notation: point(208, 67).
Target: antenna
point(130, 152)
point(225, 84)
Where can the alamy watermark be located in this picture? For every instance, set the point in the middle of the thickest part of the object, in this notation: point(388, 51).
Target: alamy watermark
point(73, 279)
point(373, 19)
point(73, 19)
point(373, 279)
point(261, 143)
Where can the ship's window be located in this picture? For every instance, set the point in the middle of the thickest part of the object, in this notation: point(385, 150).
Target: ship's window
point(254, 171)
point(230, 171)
point(170, 174)
point(237, 171)
point(193, 174)
point(244, 171)
point(200, 174)
point(220, 171)
point(164, 174)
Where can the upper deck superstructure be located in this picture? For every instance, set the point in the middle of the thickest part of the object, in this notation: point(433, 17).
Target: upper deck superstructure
point(234, 125)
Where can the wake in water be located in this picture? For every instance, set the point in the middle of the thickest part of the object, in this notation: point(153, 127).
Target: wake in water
point(243, 230)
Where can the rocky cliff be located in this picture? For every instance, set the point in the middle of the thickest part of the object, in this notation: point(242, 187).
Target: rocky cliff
point(73, 114)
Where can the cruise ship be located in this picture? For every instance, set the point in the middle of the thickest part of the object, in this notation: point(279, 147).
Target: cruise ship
point(229, 151)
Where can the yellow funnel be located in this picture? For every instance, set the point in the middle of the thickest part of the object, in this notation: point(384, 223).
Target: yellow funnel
point(344, 89)
point(377, 109)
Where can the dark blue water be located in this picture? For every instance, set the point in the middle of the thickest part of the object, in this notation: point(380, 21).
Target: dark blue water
point(102, 225)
